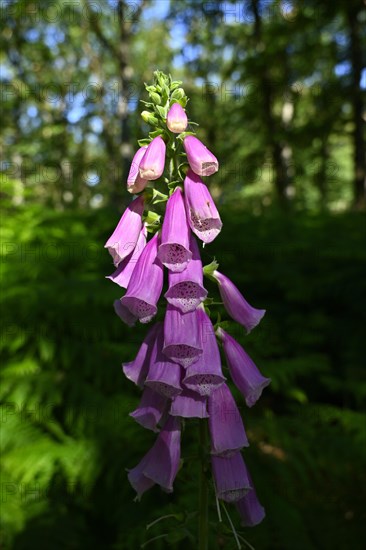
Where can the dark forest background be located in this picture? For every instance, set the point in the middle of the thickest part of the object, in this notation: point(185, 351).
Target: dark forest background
point(278, 89)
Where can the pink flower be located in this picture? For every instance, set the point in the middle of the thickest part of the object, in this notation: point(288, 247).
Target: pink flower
point(200, 159)
point(146, 283)
point(186, 290)
point(244, 373)
point(174, 250)
point(176, 120)
point(153, 162)
point(236, 305)
point(124, 238)
point(124, 271)
point(160, 464)
point(202, 214)
point(135, 183)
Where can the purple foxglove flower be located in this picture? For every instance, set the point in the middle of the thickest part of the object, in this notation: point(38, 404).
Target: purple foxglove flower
point(135, 183)
point(176, 119)
point(250, 509)
point(124, 238)
point(150, 410)
point(200, 159)
point(189, 405)
point(231, 477)
point(205, 375)
point(182, 337)
point(203, 216)
point(163, 376)
point(137, 369)
point(225, 423)
point(186, 290)
point(144, 288)
point(124, 271)
point(152, 163)
point(137, 478)
point(160, 464)
point(244, 373)
point(124, 313)
point(174, 250)
point(236, 305)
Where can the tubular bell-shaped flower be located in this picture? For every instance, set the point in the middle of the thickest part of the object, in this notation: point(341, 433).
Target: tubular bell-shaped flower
point(231, 477)
point(164, 375)
point(250, 509)
point(124, 313)
point(160, 464)
point(200, 159)
point(236, 305)
point(123, 273)
point(124, 238)
point(150, 410)
point(182, 336)
point(137, 369)
point(176, 119)
point(205, 375)
point(145, 285)
point(244, 373)
point(189, 404)
point(186, 290)
point(152, 164)
point(203, 216)
point(226, 426)
point(174, 250)
point(135, 183)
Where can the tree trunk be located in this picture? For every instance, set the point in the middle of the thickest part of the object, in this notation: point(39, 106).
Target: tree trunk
point(359, 156)
point(277, 150)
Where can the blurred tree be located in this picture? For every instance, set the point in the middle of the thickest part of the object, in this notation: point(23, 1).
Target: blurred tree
point(70, 93)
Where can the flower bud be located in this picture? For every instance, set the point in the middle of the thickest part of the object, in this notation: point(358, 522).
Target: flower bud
point(178, 94)
point(149, 118)
point(155, 98)
point(176, 119)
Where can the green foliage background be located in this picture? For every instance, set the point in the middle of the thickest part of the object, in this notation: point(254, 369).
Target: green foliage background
point(66, 437)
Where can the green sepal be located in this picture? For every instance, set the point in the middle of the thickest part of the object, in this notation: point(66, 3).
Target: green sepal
point(143, 142)
point(209, 269)
point(178, 94)
point(153, 196)
point(156, 133)
point(172, 185)
point(149, 118)
point(152, 221)
point(155, 97)
point(175, 84)
point(185, 134)
point(161, 110)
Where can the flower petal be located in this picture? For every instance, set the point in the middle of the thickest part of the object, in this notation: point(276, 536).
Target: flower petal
point(189, 404)
point(146, 283)
point(203, 216)
point(225, 423)
point(137, 369)
point(205, 375)
point(150, 410)
point(182, 337)
point(200, 159)
point(236, 305)
point(244, 373)
point(124, 238)
point(186, 290)
point(174, 250)
point(231, 477)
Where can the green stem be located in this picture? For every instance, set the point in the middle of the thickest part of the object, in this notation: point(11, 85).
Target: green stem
point(203, 490)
